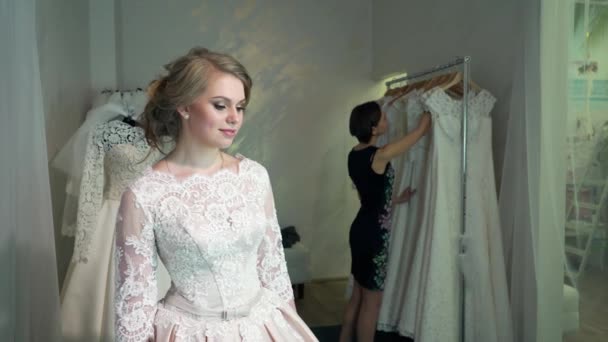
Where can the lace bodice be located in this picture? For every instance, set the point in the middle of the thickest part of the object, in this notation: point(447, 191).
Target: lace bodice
point(217, 235)
point(447, 111)
point(116, 154)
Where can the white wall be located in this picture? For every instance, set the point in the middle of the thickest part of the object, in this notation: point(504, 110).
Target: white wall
point(311, 63)
point(63, 47)
point(410, 36)
point(102, 45)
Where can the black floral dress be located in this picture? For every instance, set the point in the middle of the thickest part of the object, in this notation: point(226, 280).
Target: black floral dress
point(370, 231)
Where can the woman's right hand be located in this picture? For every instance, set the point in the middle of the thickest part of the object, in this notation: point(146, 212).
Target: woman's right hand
point(425, 122)
point(389, 151)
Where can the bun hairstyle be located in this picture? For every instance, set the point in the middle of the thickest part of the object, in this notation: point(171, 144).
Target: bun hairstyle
point(185, 79)
point(363, 119)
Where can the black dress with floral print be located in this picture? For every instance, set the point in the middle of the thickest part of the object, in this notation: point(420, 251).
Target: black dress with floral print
point(370, 231)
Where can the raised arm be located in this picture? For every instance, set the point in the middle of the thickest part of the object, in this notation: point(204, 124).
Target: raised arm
point(391, 150)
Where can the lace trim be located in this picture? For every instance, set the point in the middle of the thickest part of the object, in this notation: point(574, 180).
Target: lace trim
point(447, 112)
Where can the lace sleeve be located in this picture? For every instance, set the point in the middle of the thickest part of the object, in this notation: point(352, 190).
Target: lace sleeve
point(272, 267)
point(136, 261)
point(90, 195)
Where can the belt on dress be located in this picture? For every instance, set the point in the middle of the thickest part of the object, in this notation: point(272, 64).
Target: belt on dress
point(177, 300)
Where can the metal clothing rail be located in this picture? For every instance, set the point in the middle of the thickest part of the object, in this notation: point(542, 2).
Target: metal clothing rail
point(464, 63)
point(440, 68)
point(111, 91)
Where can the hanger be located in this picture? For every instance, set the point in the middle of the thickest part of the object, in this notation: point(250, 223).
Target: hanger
point(392, 91)
point(445, 81)
point(452, 81)
point(402, 91)
point(438, 81)
point(459, 87)
point(129, 120)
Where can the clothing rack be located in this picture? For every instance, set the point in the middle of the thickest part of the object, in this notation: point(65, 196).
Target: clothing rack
point(110, 91)
point(458, 62)
point(129, 108)
point(465, 64)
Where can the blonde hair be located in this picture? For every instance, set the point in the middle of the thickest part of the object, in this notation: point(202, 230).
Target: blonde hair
point(187, 77)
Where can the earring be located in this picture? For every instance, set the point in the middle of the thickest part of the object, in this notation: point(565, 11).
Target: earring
point(186, 116)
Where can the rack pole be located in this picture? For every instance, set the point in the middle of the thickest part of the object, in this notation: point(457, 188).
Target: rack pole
point(463, 163)
point(457, 62)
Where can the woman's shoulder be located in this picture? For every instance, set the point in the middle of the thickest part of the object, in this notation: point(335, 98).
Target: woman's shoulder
point(249, 165)
point(358, 152)
point(363, 148)
point(254, 170)
point(146, 185)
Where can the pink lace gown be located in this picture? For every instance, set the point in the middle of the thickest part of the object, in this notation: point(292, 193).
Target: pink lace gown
point(219, 238)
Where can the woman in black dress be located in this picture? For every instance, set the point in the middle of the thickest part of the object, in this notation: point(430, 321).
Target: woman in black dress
point(370, 169)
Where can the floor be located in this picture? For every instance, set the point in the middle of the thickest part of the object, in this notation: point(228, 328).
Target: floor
point(593, 292)
point(324, 301)
point(323, 306)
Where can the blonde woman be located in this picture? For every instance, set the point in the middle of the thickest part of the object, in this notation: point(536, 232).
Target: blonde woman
point(209, 216)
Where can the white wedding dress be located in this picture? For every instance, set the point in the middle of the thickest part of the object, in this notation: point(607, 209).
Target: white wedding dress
point(116, 154)
point(70, 159)
point(400, 292)
point(219, 237)
point(438, 315)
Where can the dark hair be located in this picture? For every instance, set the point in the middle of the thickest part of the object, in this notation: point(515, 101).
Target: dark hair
point(363, 118)
point(187, 77)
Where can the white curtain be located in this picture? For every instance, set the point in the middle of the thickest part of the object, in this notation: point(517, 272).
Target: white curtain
point(532, 191)
point(515, 198)
point(29, 300)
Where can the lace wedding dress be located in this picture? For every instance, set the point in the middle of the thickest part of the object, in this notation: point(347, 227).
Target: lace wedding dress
point(219, 237)
point(403, 275)
point(487, 309)
point(116, 154)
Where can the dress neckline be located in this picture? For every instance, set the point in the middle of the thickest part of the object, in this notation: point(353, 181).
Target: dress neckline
point(195, 176)
point(473, 95)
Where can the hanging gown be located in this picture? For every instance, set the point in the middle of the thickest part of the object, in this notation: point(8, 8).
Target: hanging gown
point(400, 293)
point(487, 310)
point(70, 159)
point(116, 154)
point(219, 237)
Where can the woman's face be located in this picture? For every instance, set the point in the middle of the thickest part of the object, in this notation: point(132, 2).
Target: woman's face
point(216, 116)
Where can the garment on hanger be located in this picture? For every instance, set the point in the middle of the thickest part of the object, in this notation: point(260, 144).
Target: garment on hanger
point(488, 314)
point(134, 102)
point(400, 293)
point(487, 307)
point(397, 126)
point(116, 154)
point(70, 159)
